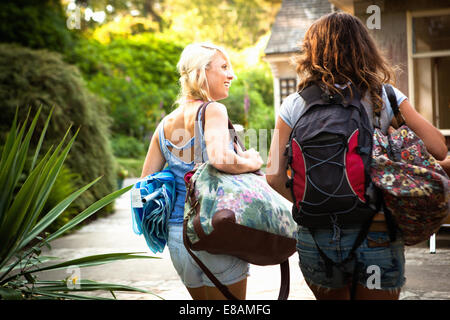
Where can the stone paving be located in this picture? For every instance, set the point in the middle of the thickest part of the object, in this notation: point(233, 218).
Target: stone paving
point(428, 275)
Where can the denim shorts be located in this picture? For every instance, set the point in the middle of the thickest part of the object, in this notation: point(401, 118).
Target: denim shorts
point(381, 262)
point(227, 269)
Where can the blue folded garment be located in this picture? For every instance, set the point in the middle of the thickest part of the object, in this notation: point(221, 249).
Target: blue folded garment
point(152, 201)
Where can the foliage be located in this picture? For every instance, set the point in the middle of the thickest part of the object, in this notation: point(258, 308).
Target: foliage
point(35, 24)
point(137, 76)
point(20, 225)
point(65, 184)
point(123, 28)
point(235, 24)
point(39, 77)
point(232, 23)
point(127, 147)
point(114, 9)
point(259, 79)
point(254, 84)
point(132, 165)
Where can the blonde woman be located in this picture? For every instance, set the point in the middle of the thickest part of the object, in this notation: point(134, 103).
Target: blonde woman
point(205, 75)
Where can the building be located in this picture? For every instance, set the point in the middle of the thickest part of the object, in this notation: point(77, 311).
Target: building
point(414, 34)
point(290, 25)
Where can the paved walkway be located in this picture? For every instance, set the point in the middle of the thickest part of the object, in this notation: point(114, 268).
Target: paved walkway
point(428, 275)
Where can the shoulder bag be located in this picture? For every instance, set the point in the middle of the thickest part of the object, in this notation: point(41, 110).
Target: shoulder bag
point(238, 215)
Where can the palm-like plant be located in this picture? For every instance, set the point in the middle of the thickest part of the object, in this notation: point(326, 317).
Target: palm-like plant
point(21, 228)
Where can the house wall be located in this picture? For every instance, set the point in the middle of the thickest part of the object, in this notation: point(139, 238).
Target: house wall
point(392, 38)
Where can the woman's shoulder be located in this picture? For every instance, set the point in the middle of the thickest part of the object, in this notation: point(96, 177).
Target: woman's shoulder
point(292, 99)
point(291, 108)
point(217, 107)
point(399, 95)
point(168, 120)
point(216, 110)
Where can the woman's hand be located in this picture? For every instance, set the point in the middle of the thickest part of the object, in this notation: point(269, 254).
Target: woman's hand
point(252, 157)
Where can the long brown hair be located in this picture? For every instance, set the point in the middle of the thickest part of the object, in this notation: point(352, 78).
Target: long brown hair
point(338, 49)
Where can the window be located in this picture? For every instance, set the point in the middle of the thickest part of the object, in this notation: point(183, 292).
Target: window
point(429, 65)
point(287, 86)
point(431, 33)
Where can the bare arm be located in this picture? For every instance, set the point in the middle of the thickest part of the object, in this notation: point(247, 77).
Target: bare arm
point(276, 174)
point(217, 141)
point(154, 161)
point(430, 135)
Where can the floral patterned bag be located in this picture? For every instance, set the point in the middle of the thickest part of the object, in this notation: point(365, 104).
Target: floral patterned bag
point(238, 215)
point(415, 187)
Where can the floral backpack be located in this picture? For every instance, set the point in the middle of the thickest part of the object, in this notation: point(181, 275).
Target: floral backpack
point(415, 187)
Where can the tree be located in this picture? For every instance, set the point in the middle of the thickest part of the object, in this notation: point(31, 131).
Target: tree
point(233, 23)
point(114, 8)
point(34, 78)
point(35, 24)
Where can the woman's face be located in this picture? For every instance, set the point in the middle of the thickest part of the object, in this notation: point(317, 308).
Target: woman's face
point(219, 75)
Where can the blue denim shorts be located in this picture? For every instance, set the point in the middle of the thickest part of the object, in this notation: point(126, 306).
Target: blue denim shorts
point(227, 269)
point(381, 262)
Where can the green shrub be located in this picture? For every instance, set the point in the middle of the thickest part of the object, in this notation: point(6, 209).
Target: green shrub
point(256, 85)
point(33, 78)
point(127, 147)
point(133, 166)
point(35, 24)
point(258, 79)
point(137, 77)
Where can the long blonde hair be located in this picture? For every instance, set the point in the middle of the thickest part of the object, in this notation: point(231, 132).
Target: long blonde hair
point(194, 61)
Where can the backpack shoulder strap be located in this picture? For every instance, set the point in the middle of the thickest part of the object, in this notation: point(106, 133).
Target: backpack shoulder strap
point(312, 95)
point(394, 105)
point(392, 98)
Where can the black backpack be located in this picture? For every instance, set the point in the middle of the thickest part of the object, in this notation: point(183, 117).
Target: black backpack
point(329, 156)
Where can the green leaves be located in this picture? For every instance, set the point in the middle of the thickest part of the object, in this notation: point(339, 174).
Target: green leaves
point(59, 289)
point(136, 75)
point(20, 225)
point(10, 294)
point(94, 260)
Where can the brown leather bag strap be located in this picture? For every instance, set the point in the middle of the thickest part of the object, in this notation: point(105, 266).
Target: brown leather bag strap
point(285, 280)
point(209, 274)
point(198, 153)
